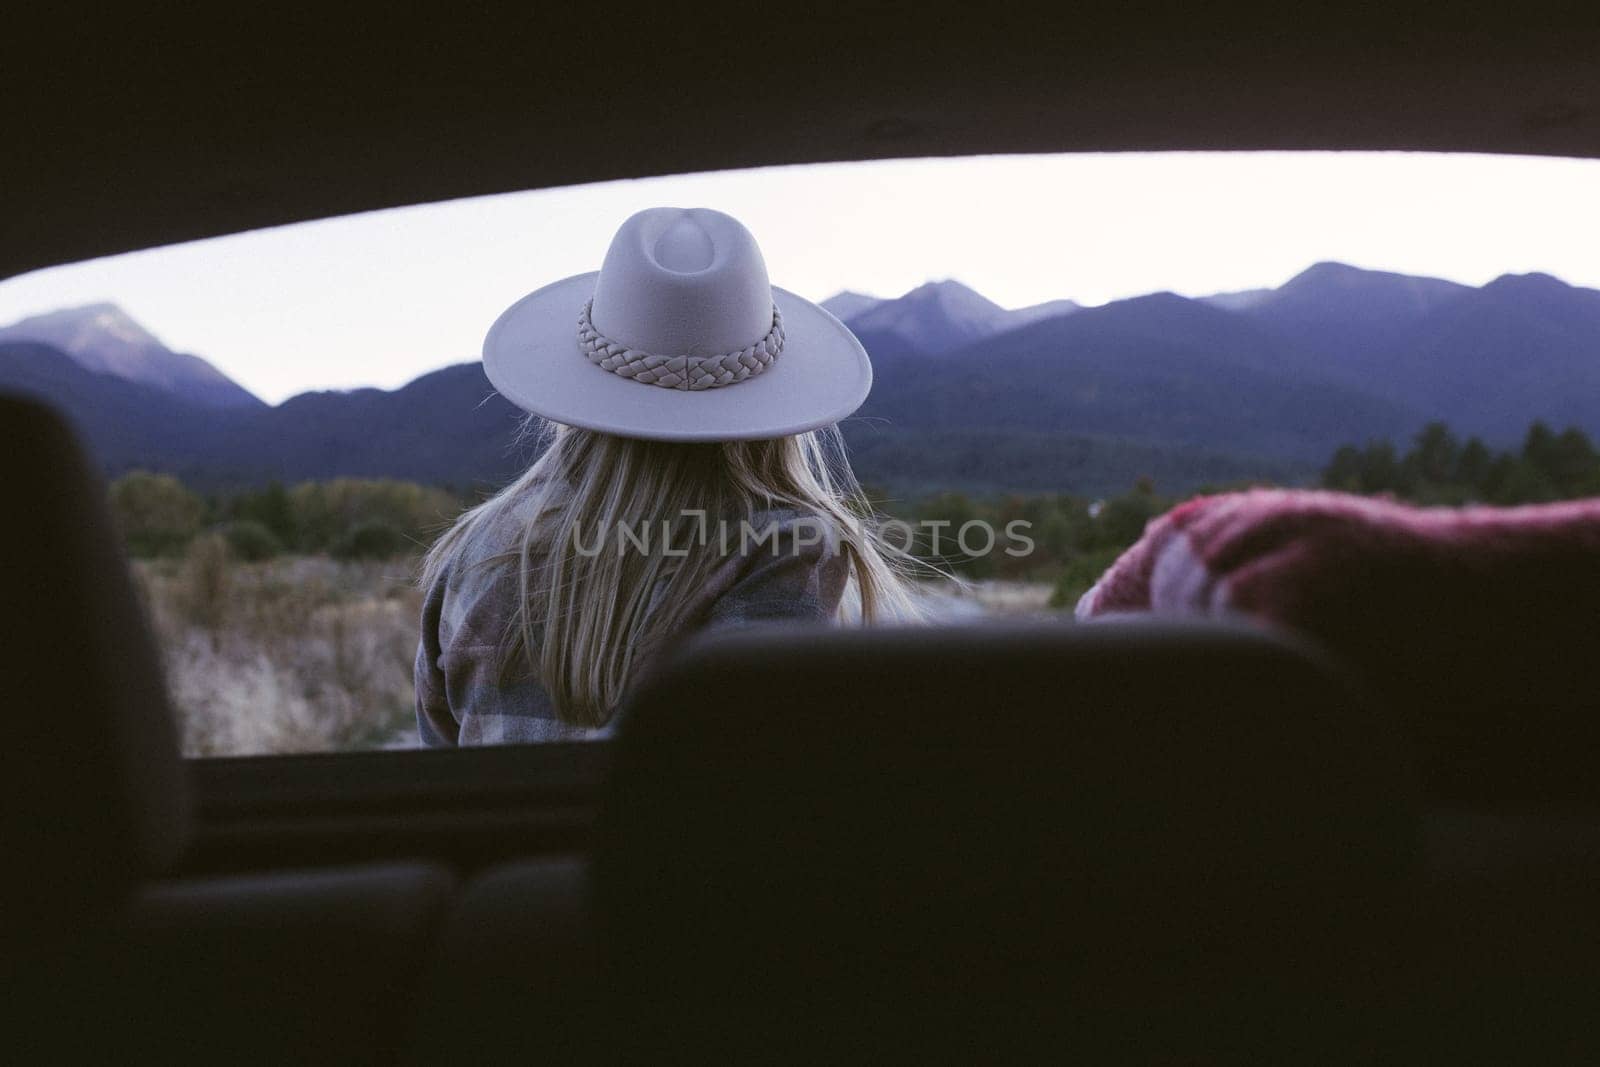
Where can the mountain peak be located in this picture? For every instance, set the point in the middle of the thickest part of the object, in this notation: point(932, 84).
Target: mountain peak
point(77, 330)
point(943, 314)
point(103, 338)
point(943, 285)
point(935, 316)
point(1532, 282)
point(846, 304)
point(1329, 271)
point(1340, 292)
point(954, 295)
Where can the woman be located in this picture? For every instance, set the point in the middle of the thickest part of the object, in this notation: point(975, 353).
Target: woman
point(694, 477)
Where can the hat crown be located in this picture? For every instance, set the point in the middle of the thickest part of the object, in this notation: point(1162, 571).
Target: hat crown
point(683, 281)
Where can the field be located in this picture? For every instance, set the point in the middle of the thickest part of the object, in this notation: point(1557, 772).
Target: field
point(311, 654)
point(987, 599)
point(297, 654)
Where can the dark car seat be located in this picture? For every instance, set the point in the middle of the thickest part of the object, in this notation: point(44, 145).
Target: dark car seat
point(94, 795)
point(514, 978)
point(104, 956)
point(948, 842)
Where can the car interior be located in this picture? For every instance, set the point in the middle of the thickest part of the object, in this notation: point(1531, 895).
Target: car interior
point(1131, 841)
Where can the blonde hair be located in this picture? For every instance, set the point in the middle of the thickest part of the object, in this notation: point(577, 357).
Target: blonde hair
point(582, 616)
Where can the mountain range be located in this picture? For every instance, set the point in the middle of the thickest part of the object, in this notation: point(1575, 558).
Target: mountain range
point(1261, 383)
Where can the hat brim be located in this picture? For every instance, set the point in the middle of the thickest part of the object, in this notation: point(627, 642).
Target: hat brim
point(531, 356)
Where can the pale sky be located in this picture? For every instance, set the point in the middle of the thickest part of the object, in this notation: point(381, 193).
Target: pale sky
point(379, 298)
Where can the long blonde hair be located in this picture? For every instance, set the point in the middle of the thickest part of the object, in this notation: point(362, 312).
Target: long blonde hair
point(583, 615)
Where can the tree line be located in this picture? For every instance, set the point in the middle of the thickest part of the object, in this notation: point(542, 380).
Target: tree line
point(347, 518)
point(1075, 536)
point(1441, 469)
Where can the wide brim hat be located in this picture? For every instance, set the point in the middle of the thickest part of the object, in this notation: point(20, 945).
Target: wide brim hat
point(678, 337)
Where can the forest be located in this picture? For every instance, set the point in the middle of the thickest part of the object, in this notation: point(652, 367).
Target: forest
point(1075, 535)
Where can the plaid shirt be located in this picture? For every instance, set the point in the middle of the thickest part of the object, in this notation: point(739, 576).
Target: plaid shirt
point(465, 615)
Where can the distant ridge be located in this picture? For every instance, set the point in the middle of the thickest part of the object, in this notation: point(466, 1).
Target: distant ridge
point(967, 394)
point(1157, 369)
point(1328, 291)
point(934, 317)
point(846, 305)
point(104, 339)
point(1239, 300)
point(938, 316)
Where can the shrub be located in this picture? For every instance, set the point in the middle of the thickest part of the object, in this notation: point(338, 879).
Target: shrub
point(251, 542)
point(326, 514)
point(271, 508)
point(371, 540)
point(1122, 520)
point(1080, 575)
point(156, 515)
point(206, 582)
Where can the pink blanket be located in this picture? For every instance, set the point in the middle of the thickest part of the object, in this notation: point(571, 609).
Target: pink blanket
point(1478, 627)
point(1321, 561)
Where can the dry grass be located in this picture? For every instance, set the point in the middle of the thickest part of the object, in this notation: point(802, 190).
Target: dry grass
point(293, 655)
point(307, 654)
point(945, 602)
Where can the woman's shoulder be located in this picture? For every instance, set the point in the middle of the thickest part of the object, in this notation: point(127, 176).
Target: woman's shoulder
point(477, 585)
point(805, 532)
point(492, 543)
point(789, 566)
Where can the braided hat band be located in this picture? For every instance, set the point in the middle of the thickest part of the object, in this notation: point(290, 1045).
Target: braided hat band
point(679, 372)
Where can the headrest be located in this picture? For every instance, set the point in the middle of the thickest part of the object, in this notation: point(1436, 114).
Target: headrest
point(1102, 809)
point(94, 787)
